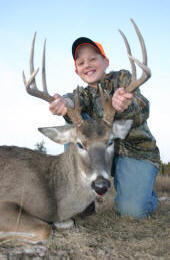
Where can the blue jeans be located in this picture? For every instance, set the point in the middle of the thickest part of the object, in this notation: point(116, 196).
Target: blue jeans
point(134, 182)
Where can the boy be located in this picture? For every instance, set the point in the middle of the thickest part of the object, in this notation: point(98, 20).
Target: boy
point(136, 158)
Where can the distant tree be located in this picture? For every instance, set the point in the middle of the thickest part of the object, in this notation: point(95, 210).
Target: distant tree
point(165, 168)
point(40, 146)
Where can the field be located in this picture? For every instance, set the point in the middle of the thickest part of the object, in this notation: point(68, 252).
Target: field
point(105, 235)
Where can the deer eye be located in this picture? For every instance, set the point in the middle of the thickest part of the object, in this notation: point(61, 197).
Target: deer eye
point(110, 142)
point(80, 145)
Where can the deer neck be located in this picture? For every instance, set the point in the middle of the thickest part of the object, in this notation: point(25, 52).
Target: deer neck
point(72, 191)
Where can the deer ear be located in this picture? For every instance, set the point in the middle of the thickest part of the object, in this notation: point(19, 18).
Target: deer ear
point(60, 134)
point(121, 128)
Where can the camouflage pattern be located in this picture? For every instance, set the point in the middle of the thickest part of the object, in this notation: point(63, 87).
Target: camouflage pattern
point(139, 143)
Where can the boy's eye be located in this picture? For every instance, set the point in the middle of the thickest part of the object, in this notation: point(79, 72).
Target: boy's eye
point(80, 63)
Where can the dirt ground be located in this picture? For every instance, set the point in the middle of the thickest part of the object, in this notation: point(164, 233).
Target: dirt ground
point(103, 235)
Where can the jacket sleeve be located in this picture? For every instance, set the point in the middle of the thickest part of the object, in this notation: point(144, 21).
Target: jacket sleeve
point(139, 109)
point(70, 98)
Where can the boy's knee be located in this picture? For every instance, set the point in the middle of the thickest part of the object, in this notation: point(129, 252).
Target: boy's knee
point(131, 209)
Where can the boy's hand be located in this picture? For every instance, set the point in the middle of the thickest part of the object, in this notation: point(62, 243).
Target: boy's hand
point(121, 100)
point(58, 106)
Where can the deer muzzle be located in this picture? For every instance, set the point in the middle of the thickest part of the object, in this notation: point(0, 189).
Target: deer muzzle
point(101, 185)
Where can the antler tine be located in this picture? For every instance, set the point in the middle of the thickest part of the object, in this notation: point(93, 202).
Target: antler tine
point(34, 85)
point(30, 85)
point(133, 67)
point(75, 113)
point(146, 71)
point(146, 74)
point(109, 111)
point(44, 83)
point(142, 43)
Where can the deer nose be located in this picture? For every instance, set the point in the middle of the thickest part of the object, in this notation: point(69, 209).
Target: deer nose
point(100, 185)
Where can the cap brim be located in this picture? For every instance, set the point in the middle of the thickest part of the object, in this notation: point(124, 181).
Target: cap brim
point(79, 41)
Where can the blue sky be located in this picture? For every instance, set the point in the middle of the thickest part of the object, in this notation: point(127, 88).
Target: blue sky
point(61, 22)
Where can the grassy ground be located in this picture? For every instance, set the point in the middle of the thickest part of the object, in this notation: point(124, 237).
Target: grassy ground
point(105, 235)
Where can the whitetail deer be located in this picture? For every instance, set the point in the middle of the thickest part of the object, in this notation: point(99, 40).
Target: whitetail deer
point(37, 190)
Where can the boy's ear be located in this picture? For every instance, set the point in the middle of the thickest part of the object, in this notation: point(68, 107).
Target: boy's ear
point(106, 62)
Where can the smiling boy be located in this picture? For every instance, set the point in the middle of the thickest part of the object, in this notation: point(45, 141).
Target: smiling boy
point(136, 158)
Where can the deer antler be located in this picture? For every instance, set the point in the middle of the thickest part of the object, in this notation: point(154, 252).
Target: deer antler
point(31, 85)
point(75, 113)
point(146, 74)
point(109, 111)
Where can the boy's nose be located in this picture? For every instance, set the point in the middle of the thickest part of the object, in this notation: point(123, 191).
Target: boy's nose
point(87, 63)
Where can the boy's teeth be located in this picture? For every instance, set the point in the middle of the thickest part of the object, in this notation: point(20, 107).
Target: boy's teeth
point(90, 73)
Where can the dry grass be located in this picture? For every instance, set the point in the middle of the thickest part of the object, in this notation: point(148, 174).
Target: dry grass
point(162, 184)
point(105, 235)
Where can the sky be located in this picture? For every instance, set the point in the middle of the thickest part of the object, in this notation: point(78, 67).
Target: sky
point(60, 23)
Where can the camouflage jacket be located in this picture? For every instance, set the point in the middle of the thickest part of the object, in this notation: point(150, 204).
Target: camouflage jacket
point(139, 143)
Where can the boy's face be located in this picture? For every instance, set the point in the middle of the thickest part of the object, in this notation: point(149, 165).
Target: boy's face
point(90, 65)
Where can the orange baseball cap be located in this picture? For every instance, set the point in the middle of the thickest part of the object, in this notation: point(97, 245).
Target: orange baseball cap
point(82, 41)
